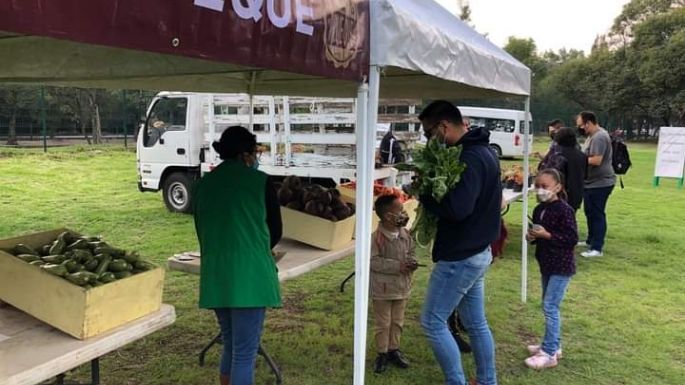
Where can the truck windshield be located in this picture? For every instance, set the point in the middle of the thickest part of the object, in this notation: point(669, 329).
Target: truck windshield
point(168, 114)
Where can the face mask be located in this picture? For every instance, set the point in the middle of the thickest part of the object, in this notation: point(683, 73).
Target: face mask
point(255, 165)
point(400, 220)
point(544, 195)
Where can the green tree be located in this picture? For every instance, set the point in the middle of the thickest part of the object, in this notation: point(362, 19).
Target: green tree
point(525, 51)
point(658, 53)
point(16, 99)
point(637, 11)
point(465, 13)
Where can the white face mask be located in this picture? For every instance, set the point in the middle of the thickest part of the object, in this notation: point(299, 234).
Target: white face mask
point(544, 195)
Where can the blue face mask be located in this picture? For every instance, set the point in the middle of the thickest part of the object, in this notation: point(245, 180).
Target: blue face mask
point(255, 165)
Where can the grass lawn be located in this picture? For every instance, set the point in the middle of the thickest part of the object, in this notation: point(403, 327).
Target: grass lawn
point(624, 316)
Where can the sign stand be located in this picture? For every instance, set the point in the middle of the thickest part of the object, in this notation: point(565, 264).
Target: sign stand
point(670, 158)
point(681, 182)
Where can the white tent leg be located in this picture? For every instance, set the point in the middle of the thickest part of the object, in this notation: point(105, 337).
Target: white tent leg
point(212, 130)
point(367, 114)
point(524, 215)
point(251, 122)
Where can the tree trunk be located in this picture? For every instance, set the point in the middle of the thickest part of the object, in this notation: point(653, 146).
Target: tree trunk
point(95, 117)
point(97, 127)
point(12, 134)
point(82, 115)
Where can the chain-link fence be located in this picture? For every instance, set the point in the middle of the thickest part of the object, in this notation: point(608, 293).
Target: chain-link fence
point(32, 116)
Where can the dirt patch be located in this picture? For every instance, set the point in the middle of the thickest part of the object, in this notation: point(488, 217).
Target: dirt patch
point(290, 317)
point(527, 335)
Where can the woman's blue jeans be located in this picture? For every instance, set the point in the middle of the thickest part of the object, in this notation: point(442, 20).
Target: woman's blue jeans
point(460, 285)
point(241, 330)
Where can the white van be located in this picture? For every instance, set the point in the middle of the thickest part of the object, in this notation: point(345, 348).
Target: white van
point(506, 128)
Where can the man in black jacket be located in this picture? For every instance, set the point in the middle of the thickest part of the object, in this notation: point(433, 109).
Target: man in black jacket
point(468, 222)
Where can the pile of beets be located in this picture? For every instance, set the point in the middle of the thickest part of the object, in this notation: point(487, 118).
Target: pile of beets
point(313, 199)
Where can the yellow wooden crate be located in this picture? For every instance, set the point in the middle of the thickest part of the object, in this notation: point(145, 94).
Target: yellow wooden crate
point(348, 196)
point(315, 231)
point(80, 312)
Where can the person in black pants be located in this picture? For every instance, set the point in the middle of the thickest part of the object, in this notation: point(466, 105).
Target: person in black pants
point(599, 183)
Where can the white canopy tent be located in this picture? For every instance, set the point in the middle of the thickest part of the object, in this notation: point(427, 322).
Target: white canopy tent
point(416, 49)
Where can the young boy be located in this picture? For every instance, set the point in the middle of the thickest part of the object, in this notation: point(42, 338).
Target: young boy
point(392, 265)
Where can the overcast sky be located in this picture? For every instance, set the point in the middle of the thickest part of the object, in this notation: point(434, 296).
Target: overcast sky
point(553, 24)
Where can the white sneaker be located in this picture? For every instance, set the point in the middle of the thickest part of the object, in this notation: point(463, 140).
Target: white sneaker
point(535, 349)
point(592, 254)
point(581, 243)
point(541, 360)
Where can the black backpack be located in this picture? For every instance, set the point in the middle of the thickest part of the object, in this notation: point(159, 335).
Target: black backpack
point(620, 157)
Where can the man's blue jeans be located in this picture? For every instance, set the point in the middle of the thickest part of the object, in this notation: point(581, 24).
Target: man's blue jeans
point(553, 292)
point(241, 330)
point(595, 204)
point(460, 285)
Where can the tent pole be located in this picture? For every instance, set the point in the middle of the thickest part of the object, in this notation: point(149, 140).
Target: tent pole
point(124, 117)
point(212, 131)
point(524, 215)
point(367, 114)
point(250, 91)
point(251, 123)
point(43, 125)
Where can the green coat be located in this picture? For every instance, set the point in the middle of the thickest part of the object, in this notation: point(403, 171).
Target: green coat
point(237, 267)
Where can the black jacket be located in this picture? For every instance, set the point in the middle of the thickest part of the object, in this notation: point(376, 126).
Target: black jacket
point(469, 215)
point(391, 151)
point(572, 164)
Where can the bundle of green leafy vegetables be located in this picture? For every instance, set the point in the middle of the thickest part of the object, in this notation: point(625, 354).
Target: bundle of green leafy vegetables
point(438, 170)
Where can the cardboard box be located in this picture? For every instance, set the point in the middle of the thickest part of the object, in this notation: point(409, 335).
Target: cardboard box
point(73, 309)
point(315, 231)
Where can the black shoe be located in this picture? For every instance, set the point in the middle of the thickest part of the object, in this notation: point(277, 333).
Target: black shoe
point(396, 358)
point(381, 363)
point(464, 346)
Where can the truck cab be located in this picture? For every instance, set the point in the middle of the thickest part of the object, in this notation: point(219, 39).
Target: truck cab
point(169, 147)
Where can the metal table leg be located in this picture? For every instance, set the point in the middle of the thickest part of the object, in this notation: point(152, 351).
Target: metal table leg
point(203, 352)
point(262, 352)
point(342, 285)
point(274, 368)
point(94, 375)
point(95, 371)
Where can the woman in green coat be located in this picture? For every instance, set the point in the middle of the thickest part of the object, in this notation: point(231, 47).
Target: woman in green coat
point(238, 222)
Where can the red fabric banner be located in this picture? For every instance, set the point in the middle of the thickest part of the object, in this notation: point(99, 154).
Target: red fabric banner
point(327, 38)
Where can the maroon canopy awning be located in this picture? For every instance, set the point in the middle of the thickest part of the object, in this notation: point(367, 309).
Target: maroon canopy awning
point(318, 38)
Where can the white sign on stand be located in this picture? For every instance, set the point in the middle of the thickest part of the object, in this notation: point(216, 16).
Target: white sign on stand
point(670, 156)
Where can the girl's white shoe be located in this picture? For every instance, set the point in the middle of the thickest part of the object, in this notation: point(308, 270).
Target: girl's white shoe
point(535, 349)
point(541, 360)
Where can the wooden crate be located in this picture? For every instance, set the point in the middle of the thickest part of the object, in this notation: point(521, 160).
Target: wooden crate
point(73, 309)
point(315, 231)
point(348, 196)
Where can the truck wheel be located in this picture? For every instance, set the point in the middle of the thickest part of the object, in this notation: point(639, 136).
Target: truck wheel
point(176, 191)
point(497, 149)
